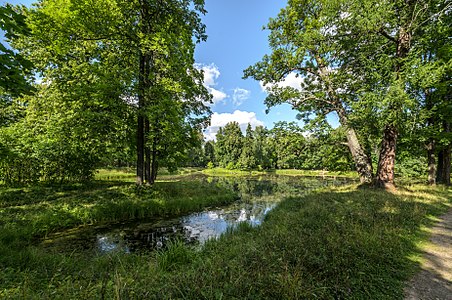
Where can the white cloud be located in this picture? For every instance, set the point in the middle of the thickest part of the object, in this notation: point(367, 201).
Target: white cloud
point(239, 96)
point(211, 74)
point(291, 80)
point(221, 119)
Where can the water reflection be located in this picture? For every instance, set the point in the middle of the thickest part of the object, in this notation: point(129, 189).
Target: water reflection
point(258, 196)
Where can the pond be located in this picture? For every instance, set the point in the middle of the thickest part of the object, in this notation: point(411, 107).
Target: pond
point(258, 196)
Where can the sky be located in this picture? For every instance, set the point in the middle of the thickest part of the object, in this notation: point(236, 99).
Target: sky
point(236, 40)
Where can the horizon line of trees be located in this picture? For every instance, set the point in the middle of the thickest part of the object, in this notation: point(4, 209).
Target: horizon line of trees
point(119, 83)
point(289, 146)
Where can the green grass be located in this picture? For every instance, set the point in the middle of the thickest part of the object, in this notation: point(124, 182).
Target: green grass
point(227, 172)
point(317, 173)
point(340, 243)
point(286, 172)
point(128, 174)
point(40, 209)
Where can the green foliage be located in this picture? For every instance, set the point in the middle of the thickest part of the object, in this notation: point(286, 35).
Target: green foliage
point(247, 160)
point(228, 147)
point(282, 147)
point(375, 63)
point(15, 69)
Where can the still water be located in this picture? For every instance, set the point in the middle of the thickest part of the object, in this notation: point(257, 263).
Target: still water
point(258, 196)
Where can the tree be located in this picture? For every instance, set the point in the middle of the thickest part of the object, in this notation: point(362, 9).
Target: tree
point(15, 70)
point(353, 56)
point(302, 43)
point(247, 158)
point(228, 148)
point(263, 146)
point(139, 50)
point(209, 152)
point(289, 144)
point(385, 52)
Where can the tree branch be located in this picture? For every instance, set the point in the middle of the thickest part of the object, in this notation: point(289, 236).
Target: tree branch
point(386, 35)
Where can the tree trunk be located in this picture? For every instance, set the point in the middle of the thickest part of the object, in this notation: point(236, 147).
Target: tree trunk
point(431, 162)
point(386, 162)
point(362, 162)
point(447, 165)
point(154, 163)
point(444, 161)
point(140, 125)
point(147, 150)
point(143, 89)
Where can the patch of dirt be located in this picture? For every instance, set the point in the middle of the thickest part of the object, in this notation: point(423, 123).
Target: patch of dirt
point(434, 281)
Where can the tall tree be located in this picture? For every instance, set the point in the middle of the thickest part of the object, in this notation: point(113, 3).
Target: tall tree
point(383, 49)
point(14, 68)
point(228, 147)
point(302, 40)
point(247, 158)
point(141, 50)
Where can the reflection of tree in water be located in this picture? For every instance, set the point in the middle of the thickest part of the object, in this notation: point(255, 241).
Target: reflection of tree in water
point(258, 196)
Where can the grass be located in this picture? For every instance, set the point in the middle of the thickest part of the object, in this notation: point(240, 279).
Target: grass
point(31, 212)
point(284, 172)
point(128, 174)
point(336, 243)
point(317, 173)
point(227, 172)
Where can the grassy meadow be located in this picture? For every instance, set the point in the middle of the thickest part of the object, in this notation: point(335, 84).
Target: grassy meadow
point(334, 243)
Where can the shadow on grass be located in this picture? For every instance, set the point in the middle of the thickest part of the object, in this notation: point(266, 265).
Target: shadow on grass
point(348, 245)
point(342, 244)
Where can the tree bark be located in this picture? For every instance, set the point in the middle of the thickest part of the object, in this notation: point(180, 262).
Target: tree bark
point(386, 162)
point(444, 161)
point(446, 165)
point(362, 161)
point(143, 88)
point(154, 163)
point(431, 162)
point(140, 124)
point(147, 150)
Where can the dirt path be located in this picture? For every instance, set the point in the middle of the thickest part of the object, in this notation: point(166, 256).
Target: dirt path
point(434, 281)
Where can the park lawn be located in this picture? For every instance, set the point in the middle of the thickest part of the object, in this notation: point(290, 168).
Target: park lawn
point(336, 243)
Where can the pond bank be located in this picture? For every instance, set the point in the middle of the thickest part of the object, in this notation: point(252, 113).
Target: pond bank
point(338, 242)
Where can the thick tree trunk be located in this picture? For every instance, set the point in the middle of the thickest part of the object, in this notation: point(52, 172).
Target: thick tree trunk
point(446, 165)
point(431, 162)
point(386, 162)
point(362, 162)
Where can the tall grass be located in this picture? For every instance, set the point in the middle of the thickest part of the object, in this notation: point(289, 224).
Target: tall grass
point(340, 243)
point(41, 209)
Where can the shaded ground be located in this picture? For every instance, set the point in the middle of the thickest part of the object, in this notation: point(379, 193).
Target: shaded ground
point(434, 281)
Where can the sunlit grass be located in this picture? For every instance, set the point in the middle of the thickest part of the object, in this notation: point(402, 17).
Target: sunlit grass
point(285, 172)
point(336, 243)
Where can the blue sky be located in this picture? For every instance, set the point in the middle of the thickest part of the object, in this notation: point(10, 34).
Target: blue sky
point(235, 41)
